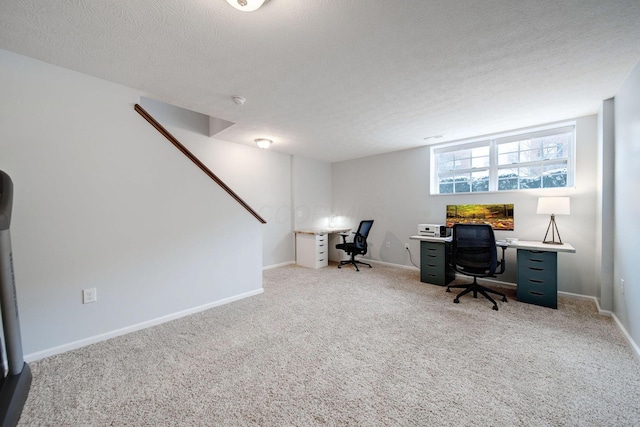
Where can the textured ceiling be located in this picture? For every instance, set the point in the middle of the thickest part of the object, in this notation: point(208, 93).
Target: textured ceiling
point(338, 79)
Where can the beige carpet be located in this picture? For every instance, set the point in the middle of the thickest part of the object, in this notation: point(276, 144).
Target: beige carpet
point(337, 347)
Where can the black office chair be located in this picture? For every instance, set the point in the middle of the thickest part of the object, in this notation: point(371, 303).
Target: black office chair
point(474, 254)
point(358, 246)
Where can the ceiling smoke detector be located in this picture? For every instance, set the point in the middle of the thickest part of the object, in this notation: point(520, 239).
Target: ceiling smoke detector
point(246, 5)
point(238, 100)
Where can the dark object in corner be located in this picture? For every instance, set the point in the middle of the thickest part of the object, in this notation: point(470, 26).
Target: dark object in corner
point(14, 387)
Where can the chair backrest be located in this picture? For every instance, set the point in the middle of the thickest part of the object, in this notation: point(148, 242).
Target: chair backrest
point(360, 239)
point(474, 249)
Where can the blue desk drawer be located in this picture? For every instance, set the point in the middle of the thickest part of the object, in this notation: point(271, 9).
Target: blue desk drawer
point(537, 259)
point(434, 263)
point(538, 278)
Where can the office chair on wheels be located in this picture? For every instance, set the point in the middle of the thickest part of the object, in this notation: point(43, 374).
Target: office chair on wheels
point(358, 246)
point(474, 254)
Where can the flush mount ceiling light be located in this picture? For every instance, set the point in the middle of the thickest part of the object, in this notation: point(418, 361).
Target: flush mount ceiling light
point(246, 5)
point(263, 142)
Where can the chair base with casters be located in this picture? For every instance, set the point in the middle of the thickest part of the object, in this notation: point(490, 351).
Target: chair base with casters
point(353, 262)
point(476, 288)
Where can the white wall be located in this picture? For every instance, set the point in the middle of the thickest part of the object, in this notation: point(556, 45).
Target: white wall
point(393, 189)
point(262, 178)
point(311, 192)
point(102, 200)
point(605, 203)
point(627, 203)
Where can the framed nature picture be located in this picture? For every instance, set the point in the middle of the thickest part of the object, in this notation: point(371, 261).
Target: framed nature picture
point(500, 217)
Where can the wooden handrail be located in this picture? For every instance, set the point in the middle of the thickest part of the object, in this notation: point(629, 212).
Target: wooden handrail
point(195, 160)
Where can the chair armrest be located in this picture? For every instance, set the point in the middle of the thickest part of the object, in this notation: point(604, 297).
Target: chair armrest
point(344, 237)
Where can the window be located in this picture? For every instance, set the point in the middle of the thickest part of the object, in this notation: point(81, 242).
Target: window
point(535, 159)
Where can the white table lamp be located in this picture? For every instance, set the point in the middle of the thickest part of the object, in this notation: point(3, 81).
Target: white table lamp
point(554, 206)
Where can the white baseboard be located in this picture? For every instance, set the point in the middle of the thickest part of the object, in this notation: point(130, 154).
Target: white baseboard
point(633, 344)
point(137, 327)
point(611, 314)
point(608, 313)
point(282, 264)
point(388, 264)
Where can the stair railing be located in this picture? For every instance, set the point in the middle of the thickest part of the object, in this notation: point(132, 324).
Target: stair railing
point(195, 160)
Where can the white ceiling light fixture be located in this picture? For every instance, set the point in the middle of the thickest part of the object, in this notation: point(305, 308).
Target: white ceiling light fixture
point(263, 142)
point(246, 5)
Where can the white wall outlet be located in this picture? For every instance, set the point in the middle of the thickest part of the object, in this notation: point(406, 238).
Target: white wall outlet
point(89, 295)
point(622, 285)
point(388, 244)
point(406, 246)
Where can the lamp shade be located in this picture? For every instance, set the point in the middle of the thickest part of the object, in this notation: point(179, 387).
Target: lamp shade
point(554, 205)
point(246, 5)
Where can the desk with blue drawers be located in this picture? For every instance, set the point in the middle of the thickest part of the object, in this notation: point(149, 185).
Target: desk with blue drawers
point(537, 281)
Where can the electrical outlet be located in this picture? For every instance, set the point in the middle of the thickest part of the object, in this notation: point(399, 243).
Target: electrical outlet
point(622, 285)
point(89, 295)
point(388, 244)
point(406, 246)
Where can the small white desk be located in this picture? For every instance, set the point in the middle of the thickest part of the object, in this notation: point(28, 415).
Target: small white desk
point(312, 246)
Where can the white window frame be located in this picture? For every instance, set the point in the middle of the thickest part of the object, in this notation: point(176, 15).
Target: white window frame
point(493, 141)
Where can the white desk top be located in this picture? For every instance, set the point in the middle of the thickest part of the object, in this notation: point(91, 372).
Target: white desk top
point(539, 246)
point(322, 230)
point(431, 239)
point(520, 244)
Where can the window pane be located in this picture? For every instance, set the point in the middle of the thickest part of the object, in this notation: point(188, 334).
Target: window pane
point(530, 144)
point(480, 181)
point(508, 158)
point(445, 162)
point(462, 183)
point(556, 146)
point(480, 162)
point(509, 147)
point(531, 155)
point(462, 163)
point(445, 187)
point(480, 151)
point(555, 175)
point(530, 182)
point(551, 152)
point(530, 171)
point(508, 153)
point(535, 159)
point(508, 179)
